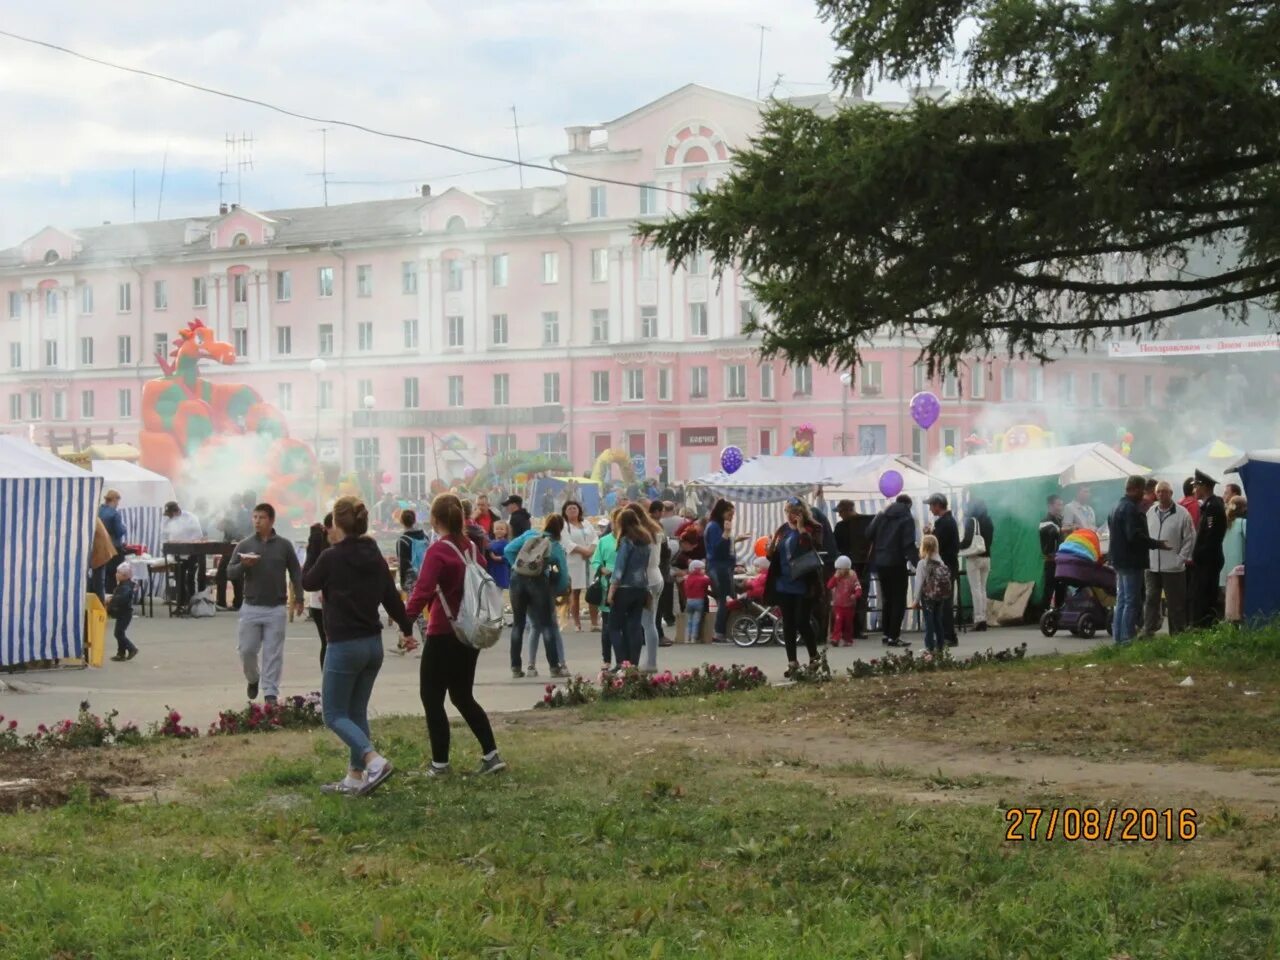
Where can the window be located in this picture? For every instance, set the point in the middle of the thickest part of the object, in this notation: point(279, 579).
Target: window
point(501, 389)
point(364, 336)
point(978, 385)
point(697, 264)
point(240, 288)
point(125, 400)
point(408, 277)
point(872, 384)
point(51, 302)
point(1035, 379)
point(551, 267)
point(600, 386)
point(746, 315)
point(802, 380)
point(324, 281)
point(364, 388)
point(86, 351)
point(498, 268)
point(35, 402)
point(735, 382)
point(496, 444)
point(455, 391)
point(162, 295)
point(1122, 391)
point(648, 323)
point(199, 291)
point(599, 201)
point(1095, 389)
point(918, 448)
point(86, 298)
point(411, 334)
point(599, 265)
point(551, 388)
point(240, 240)
point(51, 353)
point(766, 382)
point(240, 341)
point(59, 405)
point(86, 405)
point(499, 329)
point(950, 385)
point(664, 383)
point(648, 198)
point(124, 297)
point(15, 304)
point(1007, 389)
point(633, 385)
point(413, 466)
point(284, 396)
point(284, 341)
point(366, 454)
point(410, 393)
point(324, 398)
point(550, 328)
point(697, 319)
point(919, 377)
point(557, 442)
point(1148, 390)
point(950, 438)
point(364, 280)
point(454, 334)
point(325, 331)
point(1067, 388)
point(15, 356)
point(455, 275)
point(599, 326)
point(698, 383)
point(648, 263)
point(15, 406)
point(160, 344)
point(124, 350)
point(284, 285)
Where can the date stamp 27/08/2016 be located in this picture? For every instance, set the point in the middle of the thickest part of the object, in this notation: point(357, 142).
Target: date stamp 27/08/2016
point(1126, 824)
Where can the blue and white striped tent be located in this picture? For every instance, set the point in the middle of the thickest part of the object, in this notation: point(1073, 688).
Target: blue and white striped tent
point(47, 509)
point(143, 494)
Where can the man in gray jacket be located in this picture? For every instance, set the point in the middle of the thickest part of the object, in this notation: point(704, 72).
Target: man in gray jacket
point(1168, 521)
point(268, 564)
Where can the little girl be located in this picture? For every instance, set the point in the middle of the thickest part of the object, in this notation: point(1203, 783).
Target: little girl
point(696, 585)
point(754, 588)
point(933, 589)
point(498, 567)
point(845, 591)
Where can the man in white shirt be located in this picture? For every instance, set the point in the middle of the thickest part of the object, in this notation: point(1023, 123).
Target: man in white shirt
point(183, 527)
point(1169, 521)
point(1078, 515)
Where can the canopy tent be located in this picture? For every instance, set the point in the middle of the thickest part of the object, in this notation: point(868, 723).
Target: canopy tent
point(1015, 487)
point(47, 512)
point(1215, 459)
point(143, 494)
point(1259, 472)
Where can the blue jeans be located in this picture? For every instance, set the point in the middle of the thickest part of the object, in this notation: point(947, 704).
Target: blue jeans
point(697, 609)
point(350, 667)
point(530, 604)
point(723, 587)
point(1128, 591)
point(934, 639)
point(625, 626)
point(123, 643)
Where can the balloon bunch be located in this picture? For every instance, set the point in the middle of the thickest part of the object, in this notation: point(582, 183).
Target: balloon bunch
point(1124, 443)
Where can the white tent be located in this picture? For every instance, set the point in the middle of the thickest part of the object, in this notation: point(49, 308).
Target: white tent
point(1082, 463)
point(137, 486)
point(47, 512)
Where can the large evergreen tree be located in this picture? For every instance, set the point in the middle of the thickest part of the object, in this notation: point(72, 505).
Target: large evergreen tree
point(1051, 200)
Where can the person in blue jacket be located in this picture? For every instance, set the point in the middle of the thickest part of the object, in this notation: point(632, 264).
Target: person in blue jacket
point(717, 537)
point(533, 601)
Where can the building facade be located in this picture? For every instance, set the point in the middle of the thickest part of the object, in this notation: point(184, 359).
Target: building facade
point(418, 336)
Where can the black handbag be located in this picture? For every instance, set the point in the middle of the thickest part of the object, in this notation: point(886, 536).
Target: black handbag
point(595, 592)
point(805, 565)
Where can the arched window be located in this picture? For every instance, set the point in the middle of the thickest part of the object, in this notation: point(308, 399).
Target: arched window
point(240, 240)
point(455, 225)
point(52, 256)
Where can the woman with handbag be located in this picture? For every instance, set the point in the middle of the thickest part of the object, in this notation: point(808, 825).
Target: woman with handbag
point(975, 548)
point(795, 579)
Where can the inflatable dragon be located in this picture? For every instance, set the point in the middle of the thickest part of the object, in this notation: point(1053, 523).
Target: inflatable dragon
point(196, 430)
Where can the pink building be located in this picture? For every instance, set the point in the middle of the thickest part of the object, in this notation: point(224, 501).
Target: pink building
point(525, 319)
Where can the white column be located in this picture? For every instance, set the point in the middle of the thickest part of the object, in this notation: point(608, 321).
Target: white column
point(478, 340)
point(666, 329)
point(615, 294)
point(627, 262)
point(431, 305)
point(222, 298)
point(66, 354)
point(260, 315)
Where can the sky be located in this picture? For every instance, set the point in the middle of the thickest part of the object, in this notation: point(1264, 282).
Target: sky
point(83, 141)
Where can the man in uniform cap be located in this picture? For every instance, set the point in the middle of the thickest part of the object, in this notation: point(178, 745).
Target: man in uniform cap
point(1206, 558)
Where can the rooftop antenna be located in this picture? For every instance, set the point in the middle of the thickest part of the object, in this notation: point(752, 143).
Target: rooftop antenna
point(760, 60)
point(241, 148)
point(164, 166)
point(519, 159)
point(324, 162)
point(135, 196)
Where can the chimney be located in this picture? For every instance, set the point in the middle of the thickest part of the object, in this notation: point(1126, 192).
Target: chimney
point(235, 206)
point(222, 209)
point(579, 138)
point(426, 189)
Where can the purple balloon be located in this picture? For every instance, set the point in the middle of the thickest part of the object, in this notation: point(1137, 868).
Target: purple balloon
point(925, 408)
point(891, 483)
point(730, 459)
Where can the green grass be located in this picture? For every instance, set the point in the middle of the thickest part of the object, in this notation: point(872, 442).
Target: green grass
point(594, 846)
point(1254, 651)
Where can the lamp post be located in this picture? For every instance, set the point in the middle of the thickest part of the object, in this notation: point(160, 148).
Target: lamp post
point(318, 367)
point(846, 379)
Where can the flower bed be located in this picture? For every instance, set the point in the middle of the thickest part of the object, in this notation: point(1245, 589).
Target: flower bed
point(289, 713)
point(892, 664)
point(632, 684)
point(86, 730)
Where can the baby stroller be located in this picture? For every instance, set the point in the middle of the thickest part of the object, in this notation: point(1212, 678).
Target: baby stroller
point(1090, 604)
point(753, 624)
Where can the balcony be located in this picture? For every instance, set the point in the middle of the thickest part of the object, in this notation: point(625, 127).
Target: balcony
point(459, 417)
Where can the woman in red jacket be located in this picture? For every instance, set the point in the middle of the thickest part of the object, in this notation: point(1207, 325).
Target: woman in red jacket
point(449, 665)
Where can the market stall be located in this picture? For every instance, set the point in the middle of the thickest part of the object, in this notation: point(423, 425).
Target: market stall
point(47, 512)
point(143, 494)
point(1215, 459)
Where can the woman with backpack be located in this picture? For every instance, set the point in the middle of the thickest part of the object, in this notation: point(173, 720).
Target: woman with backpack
point(539, 574)
point(354, 580)
point(629, 587)
point(933, 591)
point(449, 665)
point(649, 615)
point(795, 579)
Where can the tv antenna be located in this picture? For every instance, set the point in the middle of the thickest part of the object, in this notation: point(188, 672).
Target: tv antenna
point(237, 158)
point(515, 125)
point(324, 162)
point(760, 59)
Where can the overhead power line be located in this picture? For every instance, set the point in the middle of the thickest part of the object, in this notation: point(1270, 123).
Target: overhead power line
point(390, 135)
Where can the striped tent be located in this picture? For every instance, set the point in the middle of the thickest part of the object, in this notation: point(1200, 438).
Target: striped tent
point(47, 509)
point(143, 495)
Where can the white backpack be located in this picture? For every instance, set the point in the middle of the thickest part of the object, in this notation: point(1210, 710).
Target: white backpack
point(479, 620)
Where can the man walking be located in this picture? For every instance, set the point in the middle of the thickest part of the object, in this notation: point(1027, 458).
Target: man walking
point(852, 542)
point(1130, 555)
point(1206, 558)
point(268, 564)
point(1170, 522)
point(893, 537)
point(948, 534)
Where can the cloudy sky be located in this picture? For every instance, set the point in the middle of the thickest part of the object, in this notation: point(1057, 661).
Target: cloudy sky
point(76, 132)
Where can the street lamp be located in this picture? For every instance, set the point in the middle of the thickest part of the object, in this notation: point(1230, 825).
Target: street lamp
point(318, 367)
point(846, 378)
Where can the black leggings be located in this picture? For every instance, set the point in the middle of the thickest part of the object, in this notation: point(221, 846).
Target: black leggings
point(317, 617)
point(797, 617)
point(450, 667)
